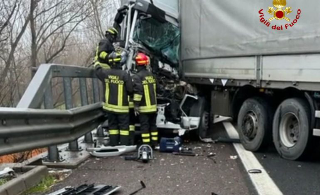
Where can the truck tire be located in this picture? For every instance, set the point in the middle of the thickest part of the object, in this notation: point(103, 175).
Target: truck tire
point(291, 128)
point(200, 109)
point(254, 124)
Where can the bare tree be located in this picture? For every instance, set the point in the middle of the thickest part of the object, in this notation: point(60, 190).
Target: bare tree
point(51, 26)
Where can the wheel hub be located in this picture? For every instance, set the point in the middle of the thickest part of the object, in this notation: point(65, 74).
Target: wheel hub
point(289, 130)
point(250, 125)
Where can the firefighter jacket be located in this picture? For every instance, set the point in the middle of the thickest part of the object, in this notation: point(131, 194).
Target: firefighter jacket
point(118, 86)
point(104, 49)
point(145, 91)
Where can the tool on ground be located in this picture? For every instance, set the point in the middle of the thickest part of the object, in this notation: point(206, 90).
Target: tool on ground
point(145, 153)
point(109, 151)
point(174, 145)
point(143, 186)
point(88, 190)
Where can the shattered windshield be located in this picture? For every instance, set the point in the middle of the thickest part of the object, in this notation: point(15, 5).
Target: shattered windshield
point(161, 38)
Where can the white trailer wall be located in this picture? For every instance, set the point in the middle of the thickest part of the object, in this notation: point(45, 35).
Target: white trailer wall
point(223, 28)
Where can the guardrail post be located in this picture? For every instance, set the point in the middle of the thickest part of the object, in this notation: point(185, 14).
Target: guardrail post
point(53, 152)
point(95, 87)
point(67, 85)
point(84, 101)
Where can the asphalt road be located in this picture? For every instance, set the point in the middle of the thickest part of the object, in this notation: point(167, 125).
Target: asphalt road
point(169, 174)
point(292, 177)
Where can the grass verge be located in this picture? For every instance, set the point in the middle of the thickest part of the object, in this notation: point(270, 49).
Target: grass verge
point(43, 186)
point(3, 181)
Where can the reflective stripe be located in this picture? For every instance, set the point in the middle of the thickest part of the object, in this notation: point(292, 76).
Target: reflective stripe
point(124, 132)
point(131, 105)
point(154, 133)
point(132, 128)
point(155, 92)
point(114, 108)
point(145, 135)
point(145, 140)
point(120, 95)
point(103, 65)
point(114, 132)
point(107, 90)
point(137, 97)
point(147, 95)
point(117, 107)
point(145, 109)
point(154, 138)
point(115, 60)
point(103, 55)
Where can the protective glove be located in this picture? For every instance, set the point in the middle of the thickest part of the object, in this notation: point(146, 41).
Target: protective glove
point(124, 57)
point(136, 110)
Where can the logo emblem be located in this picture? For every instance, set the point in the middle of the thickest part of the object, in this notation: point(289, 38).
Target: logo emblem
point(279, 13)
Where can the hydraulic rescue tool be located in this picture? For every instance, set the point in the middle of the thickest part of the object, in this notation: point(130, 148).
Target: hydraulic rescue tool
point(145, 153)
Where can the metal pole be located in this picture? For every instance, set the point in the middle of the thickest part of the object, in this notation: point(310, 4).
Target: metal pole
point(128, 26)
point(135, 17)
point(95, 86)
point(84, 101)
point(67, 85)
point(53, 154)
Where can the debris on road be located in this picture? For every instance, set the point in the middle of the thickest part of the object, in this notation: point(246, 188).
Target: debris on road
point(254, 171)
point(234, 157)
point(86, 189)
point(226, 140)
point(7, 172)
point(143, 186)
point(210, 156)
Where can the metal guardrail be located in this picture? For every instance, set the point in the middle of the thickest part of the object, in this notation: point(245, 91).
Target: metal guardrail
point(25, 129)
point(28, 127)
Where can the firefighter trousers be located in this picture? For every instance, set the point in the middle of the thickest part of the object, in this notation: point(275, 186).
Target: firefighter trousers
point(148, 126)
point(132, 126)
point(118, 128)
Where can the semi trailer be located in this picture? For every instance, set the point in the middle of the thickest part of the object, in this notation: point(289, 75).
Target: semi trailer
point(254, 61)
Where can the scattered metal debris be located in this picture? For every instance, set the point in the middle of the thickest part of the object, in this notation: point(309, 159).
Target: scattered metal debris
point(143, 186)
point(210, 156)
point(87, 190)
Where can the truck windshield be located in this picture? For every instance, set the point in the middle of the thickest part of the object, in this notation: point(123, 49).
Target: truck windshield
point(161, 38)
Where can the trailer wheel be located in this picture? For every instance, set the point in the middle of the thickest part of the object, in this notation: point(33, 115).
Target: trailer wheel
point(291, 128)
point(200, 109)
point(254, 124)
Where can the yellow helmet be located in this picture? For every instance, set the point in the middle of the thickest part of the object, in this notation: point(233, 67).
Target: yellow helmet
point(112, 31)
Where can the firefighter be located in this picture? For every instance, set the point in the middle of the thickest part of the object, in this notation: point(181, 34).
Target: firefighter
point(105, 48)
point(145, 100)
point(118, 86)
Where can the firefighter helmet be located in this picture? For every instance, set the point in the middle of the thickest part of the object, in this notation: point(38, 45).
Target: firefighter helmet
point(142, 59)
